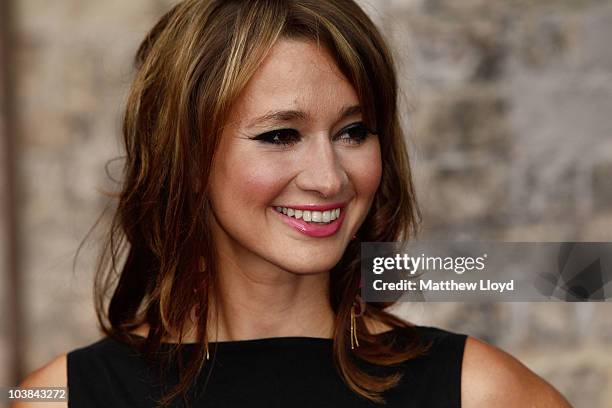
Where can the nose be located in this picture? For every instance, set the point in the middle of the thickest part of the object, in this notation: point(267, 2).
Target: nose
point(321, 170)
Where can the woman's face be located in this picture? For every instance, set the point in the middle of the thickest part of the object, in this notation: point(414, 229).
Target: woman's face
point(294, 141)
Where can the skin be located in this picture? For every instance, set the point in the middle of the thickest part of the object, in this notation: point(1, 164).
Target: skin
point(273, 279)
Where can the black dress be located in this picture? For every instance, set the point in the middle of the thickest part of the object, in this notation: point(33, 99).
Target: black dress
point(272, 372)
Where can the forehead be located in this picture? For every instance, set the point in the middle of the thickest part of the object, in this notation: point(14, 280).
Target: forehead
point(298, 75)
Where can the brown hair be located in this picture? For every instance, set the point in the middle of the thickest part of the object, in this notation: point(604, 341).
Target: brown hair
point(190, 69)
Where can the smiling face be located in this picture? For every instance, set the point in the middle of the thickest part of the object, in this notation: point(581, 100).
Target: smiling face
point(294, 139)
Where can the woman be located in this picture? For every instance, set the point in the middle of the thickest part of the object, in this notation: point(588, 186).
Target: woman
point(263, 145)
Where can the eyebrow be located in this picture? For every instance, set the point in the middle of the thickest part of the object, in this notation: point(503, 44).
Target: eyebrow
point(290, 115)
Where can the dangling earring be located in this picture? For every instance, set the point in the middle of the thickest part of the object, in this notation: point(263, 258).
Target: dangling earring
point(196, 185)
point(354, 340)
point(197, 315)
point(358, 304)
point(202, 268)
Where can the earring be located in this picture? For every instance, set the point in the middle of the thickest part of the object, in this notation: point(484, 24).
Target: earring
point(202, 268)
point(197, 315)
point(354, 340)
point(358, 304)
point(196, 185)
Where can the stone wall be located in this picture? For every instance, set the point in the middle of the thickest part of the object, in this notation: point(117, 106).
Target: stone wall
point(507, 106)
point(75, 68)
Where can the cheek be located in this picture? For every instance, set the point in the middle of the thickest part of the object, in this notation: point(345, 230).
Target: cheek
point(366, 170)
point(245, 180)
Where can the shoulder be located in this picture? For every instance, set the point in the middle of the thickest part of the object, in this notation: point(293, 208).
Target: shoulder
point(52, 374)
point(492, 377)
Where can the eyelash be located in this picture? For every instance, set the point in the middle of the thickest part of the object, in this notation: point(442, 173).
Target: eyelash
point(269, 137)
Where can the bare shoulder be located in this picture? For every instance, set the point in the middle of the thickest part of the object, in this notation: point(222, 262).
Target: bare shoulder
point(52, 374)
point(492, 377)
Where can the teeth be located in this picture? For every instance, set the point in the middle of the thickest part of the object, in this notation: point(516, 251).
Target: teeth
point(311, 216)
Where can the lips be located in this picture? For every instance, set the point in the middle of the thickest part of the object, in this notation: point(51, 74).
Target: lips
point(310, 229)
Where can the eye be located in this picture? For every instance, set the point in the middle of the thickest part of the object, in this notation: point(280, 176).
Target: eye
point(355, 133)
point(281, 137)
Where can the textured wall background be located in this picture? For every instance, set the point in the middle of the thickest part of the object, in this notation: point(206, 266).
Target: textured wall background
point(508, 106)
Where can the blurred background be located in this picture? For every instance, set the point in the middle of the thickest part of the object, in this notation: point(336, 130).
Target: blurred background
point(508, 107)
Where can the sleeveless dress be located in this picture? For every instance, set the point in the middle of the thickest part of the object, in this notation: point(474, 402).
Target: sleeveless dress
point(271, 372)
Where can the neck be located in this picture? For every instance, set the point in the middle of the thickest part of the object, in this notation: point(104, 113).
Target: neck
point(269, 303)
point(260, 301)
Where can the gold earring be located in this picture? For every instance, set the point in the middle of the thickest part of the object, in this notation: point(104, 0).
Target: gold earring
point(202, 268)
point(354, 340)
point(197, 314)
point(361, 305)
point(196, 185)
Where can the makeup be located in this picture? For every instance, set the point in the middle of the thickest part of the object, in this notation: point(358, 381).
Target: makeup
point(312, 229)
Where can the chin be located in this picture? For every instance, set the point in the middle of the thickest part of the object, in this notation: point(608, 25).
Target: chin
point(311, 266)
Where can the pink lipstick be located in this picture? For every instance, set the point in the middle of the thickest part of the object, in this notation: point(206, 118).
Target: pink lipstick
point(311, 229)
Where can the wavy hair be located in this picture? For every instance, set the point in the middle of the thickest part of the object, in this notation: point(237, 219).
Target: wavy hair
point(190, 69)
